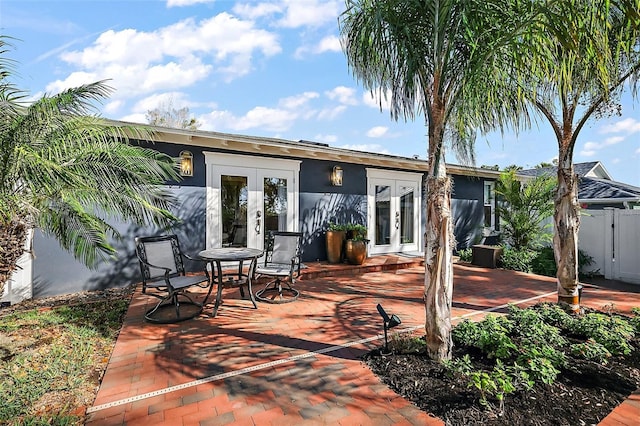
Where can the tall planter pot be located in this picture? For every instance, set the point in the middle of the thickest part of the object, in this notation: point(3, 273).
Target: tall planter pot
point(334, 246)
point(356, 251)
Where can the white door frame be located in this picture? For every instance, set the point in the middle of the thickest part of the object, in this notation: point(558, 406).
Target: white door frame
point(255, 168)
point(394, 179)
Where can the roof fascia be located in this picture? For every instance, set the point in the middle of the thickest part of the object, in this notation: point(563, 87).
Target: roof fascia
point(285, 148)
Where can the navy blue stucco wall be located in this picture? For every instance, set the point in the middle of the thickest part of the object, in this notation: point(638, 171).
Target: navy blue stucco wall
point(322, 203)
point(56, 272)
point(467, 204)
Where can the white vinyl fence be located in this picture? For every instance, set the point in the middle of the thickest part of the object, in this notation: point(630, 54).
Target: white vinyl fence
point(18, 288)
point(612, 238)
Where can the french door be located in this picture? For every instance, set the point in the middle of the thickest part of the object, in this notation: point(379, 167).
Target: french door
point(247, 197)
point(394, 211)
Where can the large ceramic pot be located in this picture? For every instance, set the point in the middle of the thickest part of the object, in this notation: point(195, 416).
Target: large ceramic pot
point(356, 251)
point(334, 246)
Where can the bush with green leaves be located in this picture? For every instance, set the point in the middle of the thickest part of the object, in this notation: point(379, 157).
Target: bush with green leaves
point(524, 208)
point(612, 331)
point(591, 350)
point(545, 263)
point(529, 347)
point(517, 260)
point(465, 255)
point(491, 336)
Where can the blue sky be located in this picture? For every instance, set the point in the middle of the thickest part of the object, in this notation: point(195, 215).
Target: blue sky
point(264, 68)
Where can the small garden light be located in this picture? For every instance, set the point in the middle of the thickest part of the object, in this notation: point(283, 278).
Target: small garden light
point(387, 323)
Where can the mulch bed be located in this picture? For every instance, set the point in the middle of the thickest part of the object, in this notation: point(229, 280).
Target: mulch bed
point(582, 395)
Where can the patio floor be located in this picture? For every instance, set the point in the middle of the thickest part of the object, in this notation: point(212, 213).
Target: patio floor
point(298, 363)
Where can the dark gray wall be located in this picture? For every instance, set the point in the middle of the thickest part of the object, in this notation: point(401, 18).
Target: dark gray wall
point(56, 272)
point(467, 204)
point(322, 203)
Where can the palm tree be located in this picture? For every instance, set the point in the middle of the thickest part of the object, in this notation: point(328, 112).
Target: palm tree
point(68, 172)
point(577, 72)
point(523, 208)
point(448, 60)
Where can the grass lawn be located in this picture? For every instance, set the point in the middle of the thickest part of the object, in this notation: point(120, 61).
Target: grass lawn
point(53, 353)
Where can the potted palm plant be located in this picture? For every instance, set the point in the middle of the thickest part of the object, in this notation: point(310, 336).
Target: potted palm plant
point(356, 244)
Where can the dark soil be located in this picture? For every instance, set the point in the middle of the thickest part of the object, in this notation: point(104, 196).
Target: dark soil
point(583, 394)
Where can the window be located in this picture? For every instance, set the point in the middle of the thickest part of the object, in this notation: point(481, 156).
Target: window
point(489, 205)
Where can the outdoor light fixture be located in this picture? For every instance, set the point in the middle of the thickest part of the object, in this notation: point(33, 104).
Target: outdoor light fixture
point(387, 323)
point(186, 163)
point(336, 176)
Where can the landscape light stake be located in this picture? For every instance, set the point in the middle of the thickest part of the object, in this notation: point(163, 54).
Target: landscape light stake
point(387, 323)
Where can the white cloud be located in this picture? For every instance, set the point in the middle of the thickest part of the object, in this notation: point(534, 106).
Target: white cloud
point(298, 101)
point(113, 107)
point(251, 11)
point(378, 132)
point(344, 95)
point(325, 138)
point(376, 99)
point(367, 148)
point(331, 113)
point(628, 125)
point(134, 118)
point(180, 3)
point(591, 146)
point(327, 44)
point(613, 140)
point(171, 57)
point(176, 100)
point(637, 151)
point(313, 13)
point(616, 161)
point(263, 118)
point(588, 153)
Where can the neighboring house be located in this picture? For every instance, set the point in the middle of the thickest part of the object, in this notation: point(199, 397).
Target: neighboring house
point(596, 189)
point(237, 188)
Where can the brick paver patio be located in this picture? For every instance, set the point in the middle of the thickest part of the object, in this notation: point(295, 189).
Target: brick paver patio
point(298, 363)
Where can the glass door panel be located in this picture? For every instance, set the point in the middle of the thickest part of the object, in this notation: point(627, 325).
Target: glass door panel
point(235, 203)
point(394, 220)
point(275, 204)
point(406, 214)
point(382, 214)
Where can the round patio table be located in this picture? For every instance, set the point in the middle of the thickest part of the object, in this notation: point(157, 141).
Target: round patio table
point(237, 279)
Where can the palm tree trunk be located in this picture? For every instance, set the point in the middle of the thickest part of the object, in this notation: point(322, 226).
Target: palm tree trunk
point(438, 279)
point(12, 239)
point(438, 254)
point(565, 238)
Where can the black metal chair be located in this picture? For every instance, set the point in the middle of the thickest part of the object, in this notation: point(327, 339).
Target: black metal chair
point(282, 264)
point(162, 267)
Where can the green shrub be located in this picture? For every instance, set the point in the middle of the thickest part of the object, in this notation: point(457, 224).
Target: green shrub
point(491, 336)
point(465, 255)
point(517, 260)
point(553, 314)
point(613, 332)
point(544, 263)
point(590, 350)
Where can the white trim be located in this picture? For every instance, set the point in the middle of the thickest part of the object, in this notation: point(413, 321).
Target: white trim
point(393, 179)
point(394, 175)
point(254, 167)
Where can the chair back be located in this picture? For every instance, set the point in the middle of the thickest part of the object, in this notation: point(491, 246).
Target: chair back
point(283, 246)
point(161, 251)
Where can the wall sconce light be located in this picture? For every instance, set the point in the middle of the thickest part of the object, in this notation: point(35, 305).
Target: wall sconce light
point(387, 323)
point(336, 176)
point(186, 163)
